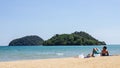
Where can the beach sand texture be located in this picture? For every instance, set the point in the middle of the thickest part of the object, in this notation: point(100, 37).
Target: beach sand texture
point(97, 62)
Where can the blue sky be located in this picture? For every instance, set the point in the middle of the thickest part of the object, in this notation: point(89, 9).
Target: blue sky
point(45, 18)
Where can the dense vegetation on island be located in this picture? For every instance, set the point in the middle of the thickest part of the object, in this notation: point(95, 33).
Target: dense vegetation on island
point(27, 41)
point(76, 38)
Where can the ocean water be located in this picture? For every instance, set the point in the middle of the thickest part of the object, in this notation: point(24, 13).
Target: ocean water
point(13, 53)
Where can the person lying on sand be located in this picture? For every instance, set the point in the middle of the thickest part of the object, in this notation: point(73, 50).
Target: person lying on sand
point(96, 52)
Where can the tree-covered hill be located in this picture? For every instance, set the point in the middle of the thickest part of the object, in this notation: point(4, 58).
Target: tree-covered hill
point(27, 41)
point(76, 38)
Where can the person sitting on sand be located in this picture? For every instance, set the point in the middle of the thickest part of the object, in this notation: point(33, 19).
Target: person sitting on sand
point(104, 52)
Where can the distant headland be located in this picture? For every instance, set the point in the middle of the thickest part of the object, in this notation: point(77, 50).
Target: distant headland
point(76, 38)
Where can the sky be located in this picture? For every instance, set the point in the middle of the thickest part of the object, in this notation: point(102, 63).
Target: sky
point(45, 18)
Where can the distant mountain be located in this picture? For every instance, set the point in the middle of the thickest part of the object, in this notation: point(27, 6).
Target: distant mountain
point(76, 38)
point(27, 41)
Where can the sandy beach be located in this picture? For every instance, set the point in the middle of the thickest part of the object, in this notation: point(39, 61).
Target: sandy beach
point(97, 62)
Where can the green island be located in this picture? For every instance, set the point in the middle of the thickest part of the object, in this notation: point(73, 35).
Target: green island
point(27, 41)
point(76, 38)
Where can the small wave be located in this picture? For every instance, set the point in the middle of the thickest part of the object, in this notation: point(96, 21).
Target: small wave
point(60, 54)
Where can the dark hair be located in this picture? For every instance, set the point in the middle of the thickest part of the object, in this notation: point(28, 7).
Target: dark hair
point(105, 47)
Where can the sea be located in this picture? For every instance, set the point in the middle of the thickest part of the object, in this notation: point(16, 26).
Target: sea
point(15, 53)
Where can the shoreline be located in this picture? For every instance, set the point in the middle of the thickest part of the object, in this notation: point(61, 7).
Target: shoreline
point(96, 62)
point(35, 59)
